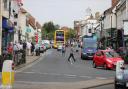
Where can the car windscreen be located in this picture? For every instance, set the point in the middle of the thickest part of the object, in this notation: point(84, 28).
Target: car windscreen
point(90, 45)
point(60, 36)
point(111, 54)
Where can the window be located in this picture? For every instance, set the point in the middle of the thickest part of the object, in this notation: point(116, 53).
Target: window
point(89, 30)
point(6, 4)
point(98, 54)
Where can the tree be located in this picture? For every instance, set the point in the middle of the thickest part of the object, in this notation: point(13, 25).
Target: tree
point(48, 30)
point(71, 34)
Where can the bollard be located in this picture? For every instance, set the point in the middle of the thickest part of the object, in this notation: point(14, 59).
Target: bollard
point(7, 74)
point(118, 67)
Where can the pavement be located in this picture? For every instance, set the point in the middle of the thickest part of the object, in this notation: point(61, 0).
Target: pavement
point(29, 60)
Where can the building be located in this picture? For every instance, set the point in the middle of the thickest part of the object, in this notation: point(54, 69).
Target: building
point(7, 25)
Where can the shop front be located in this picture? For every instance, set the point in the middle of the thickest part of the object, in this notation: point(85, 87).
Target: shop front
point(7, 33)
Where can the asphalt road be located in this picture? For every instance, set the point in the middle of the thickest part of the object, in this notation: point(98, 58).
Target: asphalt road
point(53, 67)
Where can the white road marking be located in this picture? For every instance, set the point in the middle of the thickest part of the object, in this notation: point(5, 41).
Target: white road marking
point(67, 75)
point(101, 78)
point(85, 76)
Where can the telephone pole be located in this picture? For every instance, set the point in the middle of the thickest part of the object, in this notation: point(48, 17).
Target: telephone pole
point(1, 10)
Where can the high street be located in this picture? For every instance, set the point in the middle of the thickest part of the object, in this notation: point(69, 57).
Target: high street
point(53, 68)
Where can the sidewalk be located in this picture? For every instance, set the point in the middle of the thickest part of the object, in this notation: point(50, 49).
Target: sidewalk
point(29, 59)
point(62, 85)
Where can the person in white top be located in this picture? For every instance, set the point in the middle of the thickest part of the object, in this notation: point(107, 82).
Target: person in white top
point(29, 48)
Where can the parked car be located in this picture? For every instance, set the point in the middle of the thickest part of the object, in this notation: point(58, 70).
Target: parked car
point(121, 78)
point(59, 48)
point(106, 59)
point(42, 48)
point(39, 48)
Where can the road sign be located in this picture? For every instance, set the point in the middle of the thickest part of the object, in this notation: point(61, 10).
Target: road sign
point(8, 74)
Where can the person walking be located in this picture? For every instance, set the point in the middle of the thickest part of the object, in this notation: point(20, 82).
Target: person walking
point(29, 48)
point(63, 50)
point(10, 50)
point(32, 48)
point(24, 51)
point(71, 55)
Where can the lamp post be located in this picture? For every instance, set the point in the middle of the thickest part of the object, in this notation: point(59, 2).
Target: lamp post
point(111, 29)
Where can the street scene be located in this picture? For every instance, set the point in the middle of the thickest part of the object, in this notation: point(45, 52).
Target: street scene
point(69, 44)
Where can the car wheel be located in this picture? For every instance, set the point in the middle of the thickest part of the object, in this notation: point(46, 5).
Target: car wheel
point(94, 64)
point(105, 66)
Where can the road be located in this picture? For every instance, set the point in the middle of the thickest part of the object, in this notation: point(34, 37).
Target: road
point(52, 67)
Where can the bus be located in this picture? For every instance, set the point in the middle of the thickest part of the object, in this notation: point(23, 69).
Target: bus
point(59, 38)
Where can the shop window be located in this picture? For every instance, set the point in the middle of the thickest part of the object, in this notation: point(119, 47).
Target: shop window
point(89, 30)
point(6, 4)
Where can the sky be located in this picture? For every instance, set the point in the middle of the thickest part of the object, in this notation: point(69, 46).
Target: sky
point(63, 12)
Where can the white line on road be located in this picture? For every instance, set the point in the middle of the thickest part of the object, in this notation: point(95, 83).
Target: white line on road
point(85, 76)
point(101, 78)
point(55, 74)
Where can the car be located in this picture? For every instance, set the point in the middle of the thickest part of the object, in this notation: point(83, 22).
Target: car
point(106, 59)
point(121, 78)
point(46, 43)
point(39, 48)
point(59, 48)
point(42, 48)
point(89, 47)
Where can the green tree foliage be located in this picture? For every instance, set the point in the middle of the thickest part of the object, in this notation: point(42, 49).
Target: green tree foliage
point(71, 34)
point(48, 30)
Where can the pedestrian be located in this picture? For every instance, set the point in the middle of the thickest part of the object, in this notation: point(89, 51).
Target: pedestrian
point(24, 51)
point(32, 48)
point(71, 55)
point(63, 50)
point(29, 48)
point(10, 51)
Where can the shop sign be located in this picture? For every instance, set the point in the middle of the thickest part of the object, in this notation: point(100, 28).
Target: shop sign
point(28, 30)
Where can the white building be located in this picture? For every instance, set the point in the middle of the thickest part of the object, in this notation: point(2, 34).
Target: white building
point(88, 27)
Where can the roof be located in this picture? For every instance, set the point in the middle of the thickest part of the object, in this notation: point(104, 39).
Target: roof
point(31, 21)
point(109, 10)
point(38, 25)
point(23, 10)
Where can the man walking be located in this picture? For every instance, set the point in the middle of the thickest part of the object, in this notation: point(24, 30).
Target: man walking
point(63, 50)
point(71, 55)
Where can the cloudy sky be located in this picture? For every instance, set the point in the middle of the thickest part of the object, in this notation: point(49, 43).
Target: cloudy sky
point(63, 12)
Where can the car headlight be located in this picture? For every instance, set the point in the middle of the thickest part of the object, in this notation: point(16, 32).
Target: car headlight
point(84, 53)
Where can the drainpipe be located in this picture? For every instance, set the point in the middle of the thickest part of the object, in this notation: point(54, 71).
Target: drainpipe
point(126, 9)
point(111, 29)
point(1, 11)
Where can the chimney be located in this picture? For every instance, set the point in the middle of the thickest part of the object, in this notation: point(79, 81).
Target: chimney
point(114, 2)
